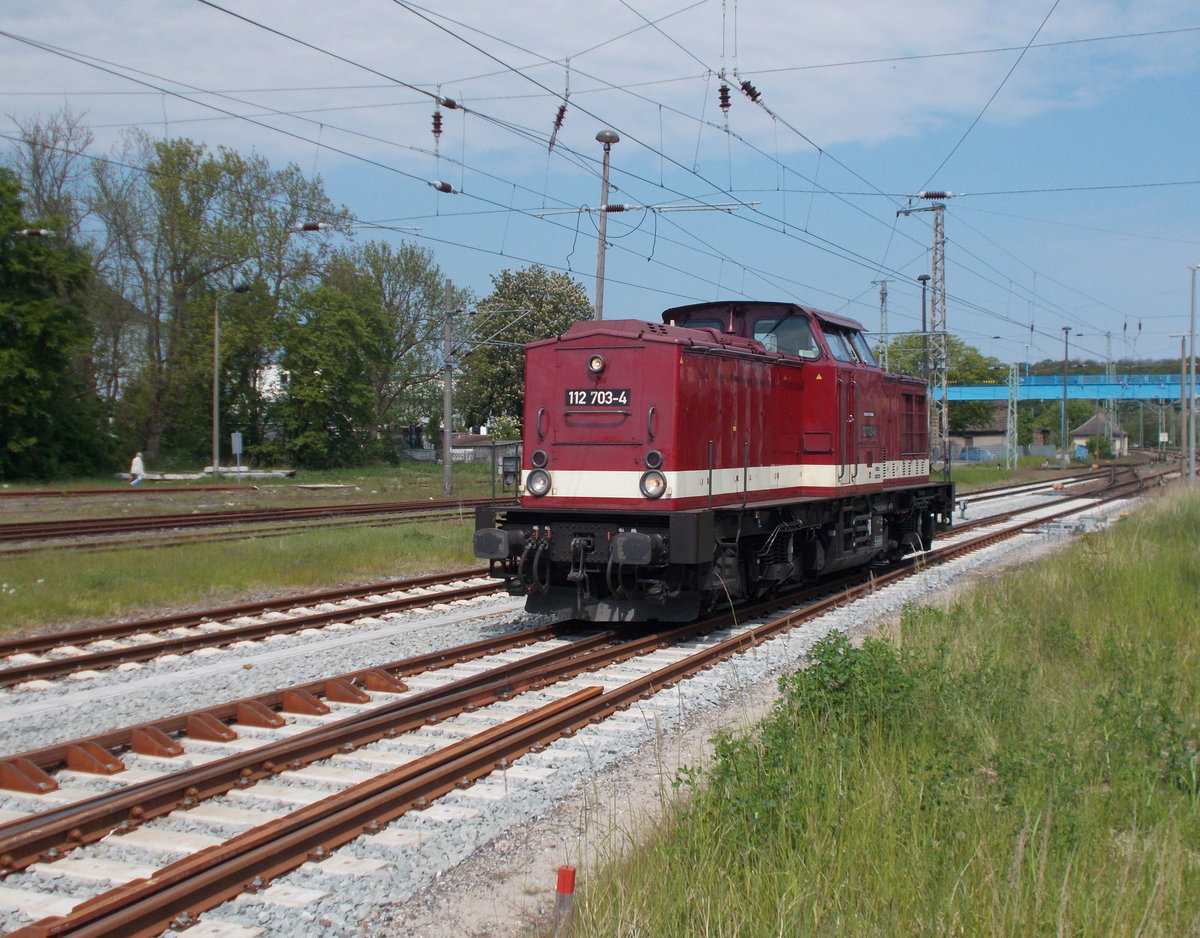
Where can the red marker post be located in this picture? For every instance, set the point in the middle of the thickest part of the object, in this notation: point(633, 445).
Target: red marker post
point(564, 902)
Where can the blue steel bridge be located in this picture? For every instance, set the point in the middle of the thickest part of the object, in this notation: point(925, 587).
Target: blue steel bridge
point(1165, 387)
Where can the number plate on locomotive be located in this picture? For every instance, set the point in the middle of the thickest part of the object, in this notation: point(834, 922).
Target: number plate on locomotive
point(598, 397)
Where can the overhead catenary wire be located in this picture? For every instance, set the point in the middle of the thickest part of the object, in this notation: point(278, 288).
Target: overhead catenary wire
point(735, 262)
point(1003, 82)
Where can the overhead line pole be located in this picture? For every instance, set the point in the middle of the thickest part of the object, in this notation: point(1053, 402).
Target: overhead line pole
point(1063, 432)
point(1010, 424)
point(883, 322)
point(940, 414)
point(447, 392)
point(607, 138)
point(1192, 384)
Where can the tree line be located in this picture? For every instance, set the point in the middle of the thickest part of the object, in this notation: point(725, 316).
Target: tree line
point(168, 261)
point(330, 350)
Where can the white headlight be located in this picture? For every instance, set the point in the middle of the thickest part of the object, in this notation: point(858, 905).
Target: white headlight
point(538, 482)
point(653, 483)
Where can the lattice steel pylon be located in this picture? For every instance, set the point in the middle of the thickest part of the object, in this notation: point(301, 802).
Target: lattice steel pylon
point(939, 411)
point(1010, 422)
point(884, 336)
point(937, 341)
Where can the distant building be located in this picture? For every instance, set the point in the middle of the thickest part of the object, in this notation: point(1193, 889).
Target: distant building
point(1096, 426)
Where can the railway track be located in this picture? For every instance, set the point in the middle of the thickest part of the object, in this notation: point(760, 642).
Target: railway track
point(346, 771)
point(91, 533)
point(48, 655)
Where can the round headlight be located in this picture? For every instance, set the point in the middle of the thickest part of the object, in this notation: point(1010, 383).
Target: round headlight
point(654, 459)
point(653, 483)
point(596, 364)
point(538, 482)
point(539, 458)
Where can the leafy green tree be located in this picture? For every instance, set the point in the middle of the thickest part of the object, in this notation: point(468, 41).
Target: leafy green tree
point(1047, 415)
point(327, 412)
point(50, 419)
point(408, 290)
point(524, 306)
point(505, 428)
point(180, 226)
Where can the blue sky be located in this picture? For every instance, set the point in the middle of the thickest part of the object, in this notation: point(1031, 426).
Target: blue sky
point(1070, 127)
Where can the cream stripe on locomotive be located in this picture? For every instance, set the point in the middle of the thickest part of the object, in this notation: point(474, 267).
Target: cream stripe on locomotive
point(599, 483)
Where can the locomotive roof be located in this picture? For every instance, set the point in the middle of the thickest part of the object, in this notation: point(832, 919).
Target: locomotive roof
point(662, 332)
point(742, 307)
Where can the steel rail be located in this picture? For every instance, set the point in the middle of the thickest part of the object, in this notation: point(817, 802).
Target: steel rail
point(231, 533)
point(1008, 491)
point(47, 641)
point(80, 527)
point(55, 667)
point(181, 890)
point(120, 489)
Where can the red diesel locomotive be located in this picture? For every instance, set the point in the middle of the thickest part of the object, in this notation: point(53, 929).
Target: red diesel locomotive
point(734, 449)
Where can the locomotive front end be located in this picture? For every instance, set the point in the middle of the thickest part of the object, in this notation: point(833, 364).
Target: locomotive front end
point(598, 533)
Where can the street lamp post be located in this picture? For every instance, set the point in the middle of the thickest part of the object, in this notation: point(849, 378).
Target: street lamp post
point(608, 138)
point(216, 381)
point(447, 393)
point(924, 278)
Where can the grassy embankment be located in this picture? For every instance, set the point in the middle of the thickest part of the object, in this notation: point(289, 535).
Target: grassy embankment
point(59, 586)
point(1021, 763)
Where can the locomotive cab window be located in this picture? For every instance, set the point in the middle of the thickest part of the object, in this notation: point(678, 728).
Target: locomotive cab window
point(848, 345)
point(840, 344)
point(789, 334)
point(702, 324)
point(865, 355)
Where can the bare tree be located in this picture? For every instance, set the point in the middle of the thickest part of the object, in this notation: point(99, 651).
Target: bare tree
point(51, 161)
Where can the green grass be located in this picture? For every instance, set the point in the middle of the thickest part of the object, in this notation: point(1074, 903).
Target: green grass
point(972, 476)
point(1021, 763)
point(66, 586)
point(50, 587)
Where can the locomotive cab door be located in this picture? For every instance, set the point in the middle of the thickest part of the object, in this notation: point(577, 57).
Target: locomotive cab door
point(847, 405)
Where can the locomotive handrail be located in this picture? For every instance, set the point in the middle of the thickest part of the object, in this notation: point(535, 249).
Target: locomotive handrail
point(853, 430)
point(540, 414)
point(710, 473)
point(597, 412)
point(650, 423)
point(745, 473)
point(843, 473)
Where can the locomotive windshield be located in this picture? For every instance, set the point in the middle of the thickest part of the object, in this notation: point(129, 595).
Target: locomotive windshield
point(848, 345)
point(789, 334)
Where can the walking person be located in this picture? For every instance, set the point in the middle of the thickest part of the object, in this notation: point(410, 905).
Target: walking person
point(137, 469)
